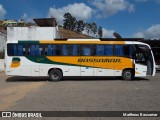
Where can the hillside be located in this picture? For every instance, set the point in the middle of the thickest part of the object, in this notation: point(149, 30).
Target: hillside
point(71, 34)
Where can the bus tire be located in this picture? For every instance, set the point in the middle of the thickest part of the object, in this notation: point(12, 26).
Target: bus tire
point(127, 74)
point(55, 75)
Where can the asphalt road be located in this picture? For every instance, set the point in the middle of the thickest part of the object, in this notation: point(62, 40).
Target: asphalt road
point(79, 94)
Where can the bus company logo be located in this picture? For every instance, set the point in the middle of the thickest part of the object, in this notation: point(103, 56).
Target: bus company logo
point(99, 60)
point(40, 59)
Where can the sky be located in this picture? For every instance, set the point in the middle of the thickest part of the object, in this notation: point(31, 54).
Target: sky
point(129, 18)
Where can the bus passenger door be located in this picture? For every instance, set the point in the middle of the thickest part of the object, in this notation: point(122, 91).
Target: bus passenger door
point(140, 64)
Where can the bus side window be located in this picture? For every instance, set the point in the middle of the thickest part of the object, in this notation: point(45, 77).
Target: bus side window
point(87, 50)
point(65, 50)
point(20, 50)
point(32, 50)
point(75, 50)
point(12, 49)
point(57, 50)
point(15, 50)
point(54, 50)
point(49, 50)
point(37, 50)
point(119, 50)
point(41, 49)
point(69, 50)
point(131, 53)
point(100, 50)
point(24, 51)
point(109, 50)
point(128, 51)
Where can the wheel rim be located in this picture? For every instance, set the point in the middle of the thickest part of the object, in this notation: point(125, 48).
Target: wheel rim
point(128, 75)
point(55, 76)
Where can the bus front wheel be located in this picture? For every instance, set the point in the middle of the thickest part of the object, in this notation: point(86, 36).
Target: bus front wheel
point(55, 75)
point(127, 75)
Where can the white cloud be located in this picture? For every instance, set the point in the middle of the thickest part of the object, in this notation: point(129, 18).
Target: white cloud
point(108, 33)
point(141, 0)
point(152, 32)
point(110, 7)
point(78, 10)
point(26, 18)
point(2, 11)
point(158, 1)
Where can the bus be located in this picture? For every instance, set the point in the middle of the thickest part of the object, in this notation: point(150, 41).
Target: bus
point(126, 58)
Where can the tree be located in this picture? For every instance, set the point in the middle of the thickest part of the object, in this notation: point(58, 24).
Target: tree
point(80, 26)
point(88, 28)
point(69, 21)
point(100, 32)
point(93, 28)
point(73, 23)
point(67, 17)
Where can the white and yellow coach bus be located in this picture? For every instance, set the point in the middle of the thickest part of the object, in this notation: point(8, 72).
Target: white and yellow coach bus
point(127, 58)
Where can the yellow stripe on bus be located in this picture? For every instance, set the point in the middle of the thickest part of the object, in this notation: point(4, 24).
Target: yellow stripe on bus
point(80, 42)
point(118, 63)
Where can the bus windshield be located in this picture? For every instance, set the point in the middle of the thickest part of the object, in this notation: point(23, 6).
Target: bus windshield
point(144, 57)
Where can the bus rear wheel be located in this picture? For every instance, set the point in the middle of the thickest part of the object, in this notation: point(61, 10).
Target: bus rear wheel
point(55, 75)
point(127, 75)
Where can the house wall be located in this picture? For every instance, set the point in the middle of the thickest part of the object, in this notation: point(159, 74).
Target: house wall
point(31, 33)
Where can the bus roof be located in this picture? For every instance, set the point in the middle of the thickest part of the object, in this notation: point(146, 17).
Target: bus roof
point(83, 41)
point(100, 39)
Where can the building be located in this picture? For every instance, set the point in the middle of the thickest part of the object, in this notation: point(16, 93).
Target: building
point(10, 22)
point(46, 29)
